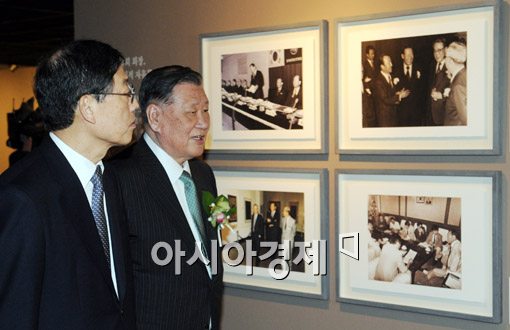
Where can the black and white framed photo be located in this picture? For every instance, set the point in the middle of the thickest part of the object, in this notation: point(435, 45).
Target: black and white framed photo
point(429, 242)
point(266, 89)
point(285, 232)
point(425, 82)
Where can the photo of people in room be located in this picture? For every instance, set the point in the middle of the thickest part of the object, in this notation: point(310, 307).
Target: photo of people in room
point(415, 81)
point(274, 217)
point(262, 90)
point(415, 240)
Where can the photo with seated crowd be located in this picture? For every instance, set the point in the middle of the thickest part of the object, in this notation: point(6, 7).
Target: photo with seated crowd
point(421, 245)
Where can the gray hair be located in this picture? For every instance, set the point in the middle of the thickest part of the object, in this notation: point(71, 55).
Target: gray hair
point(457, 52)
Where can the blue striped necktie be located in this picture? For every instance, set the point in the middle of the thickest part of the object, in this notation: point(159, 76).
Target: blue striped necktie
point(98, 211)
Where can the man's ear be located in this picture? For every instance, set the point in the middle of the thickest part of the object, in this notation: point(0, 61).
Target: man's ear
point(86, 106)
point(154, 117)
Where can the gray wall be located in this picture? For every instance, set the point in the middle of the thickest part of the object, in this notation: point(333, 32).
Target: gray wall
point(167, 32)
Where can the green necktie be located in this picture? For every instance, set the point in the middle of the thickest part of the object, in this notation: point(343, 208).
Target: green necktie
point(194, 206)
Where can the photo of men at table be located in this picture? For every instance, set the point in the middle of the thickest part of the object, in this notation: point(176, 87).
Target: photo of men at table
point(415, 240)
point(415, 81)
point(262, 90)
point(273, 217)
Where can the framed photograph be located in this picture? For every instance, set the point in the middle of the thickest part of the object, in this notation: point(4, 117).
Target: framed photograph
point(232, 201)
point(266, 89)
point(282, 246)
point(247, 209)
point(420, 83)
point(429, 242)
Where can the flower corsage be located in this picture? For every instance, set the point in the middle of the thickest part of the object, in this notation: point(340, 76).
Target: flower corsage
point(218, 212)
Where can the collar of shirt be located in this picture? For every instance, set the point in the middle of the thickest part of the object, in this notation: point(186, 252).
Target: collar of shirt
point(82, 166)
point(172, 168)
point(454, 73)
point(387, 76)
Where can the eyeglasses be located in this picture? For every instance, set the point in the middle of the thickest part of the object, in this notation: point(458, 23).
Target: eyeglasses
point(131, 93)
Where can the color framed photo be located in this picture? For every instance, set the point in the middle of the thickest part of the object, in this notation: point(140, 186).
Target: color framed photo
point(286, 231)
point(429, 242)
point(266, 89)
point(425, 82)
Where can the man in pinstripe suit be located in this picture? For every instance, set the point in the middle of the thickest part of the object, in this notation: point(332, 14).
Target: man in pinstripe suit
point(175, 294)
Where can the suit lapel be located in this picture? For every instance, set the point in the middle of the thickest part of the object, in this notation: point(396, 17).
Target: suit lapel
point(202, 184)
point(200, 187)
point(388, 84)
point(386, 80)
point(162, 191)
point(114, 218)
point(75, 206)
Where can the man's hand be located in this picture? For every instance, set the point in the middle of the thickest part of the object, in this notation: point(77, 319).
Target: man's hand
point(436, 95)
point(403, 93)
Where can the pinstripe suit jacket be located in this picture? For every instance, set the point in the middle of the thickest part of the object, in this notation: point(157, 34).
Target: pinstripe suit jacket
point(166, 299)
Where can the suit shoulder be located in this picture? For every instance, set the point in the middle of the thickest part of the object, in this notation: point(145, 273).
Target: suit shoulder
point(199, 165)
point(16, 195)
point(462, 77)
point(133, 156)
point(31, 172)
point(21, 206)
point(202, 172)
point(126, 162)
point(120, 165)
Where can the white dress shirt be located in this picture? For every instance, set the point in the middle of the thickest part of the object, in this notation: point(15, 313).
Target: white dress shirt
point(408, 69)
point(439, 65)
point(85, 169)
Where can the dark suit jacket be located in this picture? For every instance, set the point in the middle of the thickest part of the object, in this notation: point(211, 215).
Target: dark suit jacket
point(411, 110)
point(258, 228)
point(456, 104)
point(369, 72)
point(273, 226)
point(385, 101)
point(258, 80)
point(53, 272)
point(368, 115)
point(278, 97)
point(166, 299)
point(438, 81)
